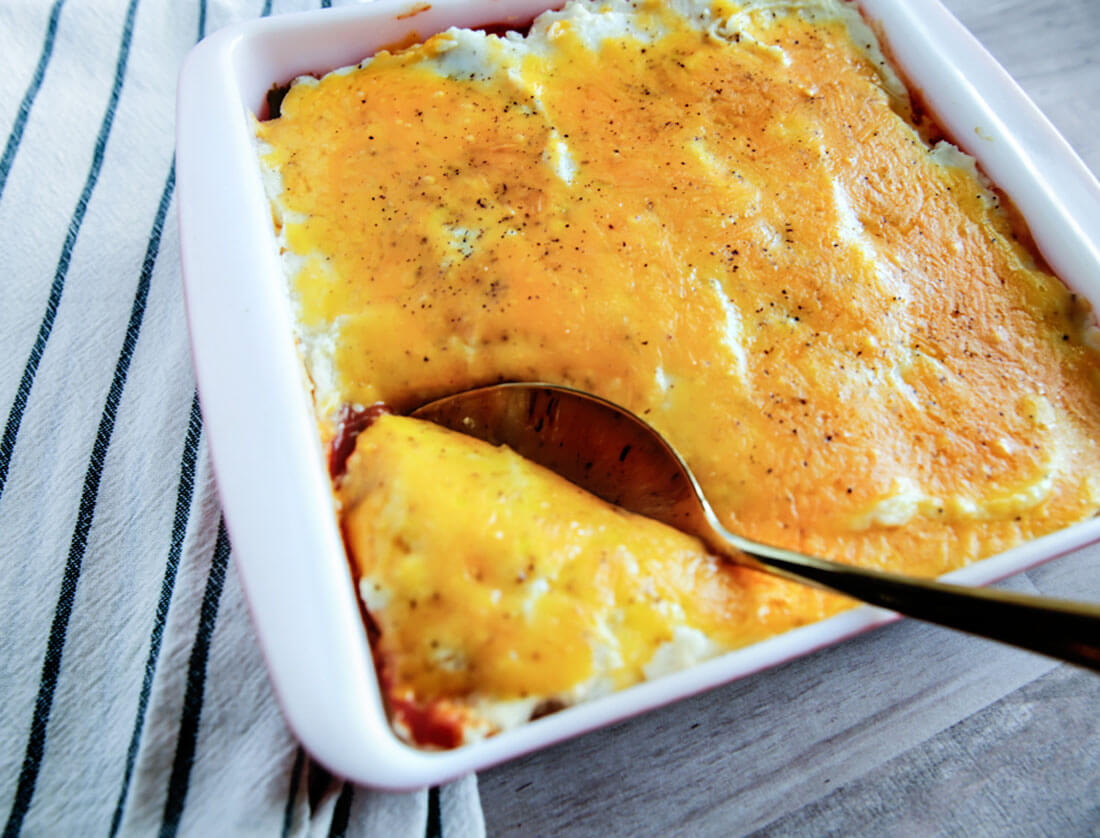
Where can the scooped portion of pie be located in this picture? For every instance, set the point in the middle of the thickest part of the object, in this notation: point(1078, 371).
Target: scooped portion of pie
point(502, 591)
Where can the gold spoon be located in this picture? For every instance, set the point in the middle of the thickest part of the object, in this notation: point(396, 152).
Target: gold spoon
point(617, 456)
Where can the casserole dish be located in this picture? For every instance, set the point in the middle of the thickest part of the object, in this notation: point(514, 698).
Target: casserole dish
point(276, 495)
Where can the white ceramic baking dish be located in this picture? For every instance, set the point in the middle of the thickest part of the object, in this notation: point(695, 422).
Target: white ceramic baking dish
point(270, 469)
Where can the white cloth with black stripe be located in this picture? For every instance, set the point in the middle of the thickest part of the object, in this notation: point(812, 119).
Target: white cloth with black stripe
point(133, 698)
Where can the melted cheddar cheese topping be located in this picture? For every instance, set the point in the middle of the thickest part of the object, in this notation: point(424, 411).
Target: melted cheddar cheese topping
point(493, 579)
point(724, 217)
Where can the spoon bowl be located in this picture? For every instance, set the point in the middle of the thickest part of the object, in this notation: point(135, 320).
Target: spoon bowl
point(619, 457)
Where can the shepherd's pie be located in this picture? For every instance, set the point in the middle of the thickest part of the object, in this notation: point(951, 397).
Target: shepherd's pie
point(727, 217)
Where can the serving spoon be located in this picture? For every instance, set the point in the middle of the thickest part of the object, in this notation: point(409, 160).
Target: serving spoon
point(619, 457)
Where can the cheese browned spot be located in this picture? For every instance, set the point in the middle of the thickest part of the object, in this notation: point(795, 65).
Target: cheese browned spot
point(721, 217)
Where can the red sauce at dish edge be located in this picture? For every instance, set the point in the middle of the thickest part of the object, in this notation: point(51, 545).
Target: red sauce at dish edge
point(350, 422)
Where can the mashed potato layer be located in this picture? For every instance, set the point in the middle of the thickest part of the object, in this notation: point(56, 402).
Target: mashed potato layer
point(723, 216)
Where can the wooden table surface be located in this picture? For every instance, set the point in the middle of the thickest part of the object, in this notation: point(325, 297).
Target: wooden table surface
point(909, 730)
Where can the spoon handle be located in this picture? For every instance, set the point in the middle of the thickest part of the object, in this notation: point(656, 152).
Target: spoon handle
point(1058, 628)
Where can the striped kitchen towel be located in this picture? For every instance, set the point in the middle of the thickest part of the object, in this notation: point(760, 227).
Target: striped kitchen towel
point(134, 698)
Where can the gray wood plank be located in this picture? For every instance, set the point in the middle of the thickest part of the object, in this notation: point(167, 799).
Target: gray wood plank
point(909, 730)
point(990, 774)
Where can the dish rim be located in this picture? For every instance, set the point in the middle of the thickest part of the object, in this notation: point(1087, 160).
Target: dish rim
point(278, 509)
